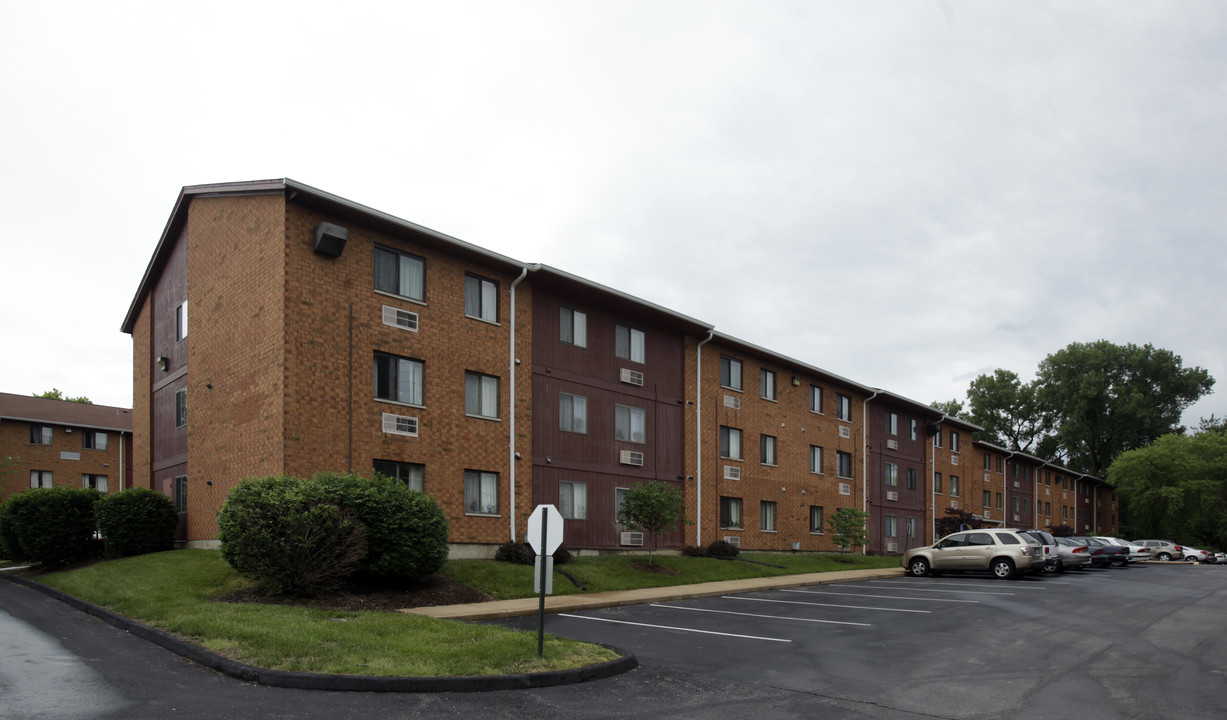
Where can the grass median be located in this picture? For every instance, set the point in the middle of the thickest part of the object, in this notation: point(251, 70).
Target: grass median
point(174, 591)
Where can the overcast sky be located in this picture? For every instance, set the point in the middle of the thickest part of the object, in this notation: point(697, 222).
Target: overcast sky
point(908, 194)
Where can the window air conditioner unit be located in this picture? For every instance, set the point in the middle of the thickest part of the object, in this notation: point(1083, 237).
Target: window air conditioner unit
point(892, 495)
point(845, 489)
point(1016, 484)
point(734, 540)
point(631, 377)
point(954, 504)
point(954, 459)
point(400, 318)
point(986, 477)
point(845, 431)
point(987, 515)
point(732, 472)
point(732, 401)
point(892, 547)
point(892, 444)
point(630, 457)
point(1016, 518)
point(400, 425)
point(632, 538)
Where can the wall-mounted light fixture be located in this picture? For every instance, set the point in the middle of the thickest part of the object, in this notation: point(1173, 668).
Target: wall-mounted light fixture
point(163, 362)
point(795, 381)
point(330, 239)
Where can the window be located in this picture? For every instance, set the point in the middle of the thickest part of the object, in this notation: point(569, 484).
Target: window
point(40, 479)
point(730, 443)
point(767, 516)
point(998, 463)
point(815, 459)
point(988, 498)
point(954, 441)
point(843, 407)
point(480, 493)
point(937, 482)
point(181, 407)
point(730, 513)
point(767, 382)
point(181, 321)
point(630, 424)
point(573, 413)
point(1048, 508)
point(911, 478)
point(815, 400)
point(480, 395)
point(890, 475)
point(767, 449)
point(412, 474)
point(573, 327)
point(892, 424)
point(911, 527)
point(998, 501)
point(628, 344)
point(911, 429)
point(399, 379)
point(730, 373)
point(954, 485)
point(40, 434)
point(620, 503)
point(815, 519)
point(91, 440)
point(988, 463)
point(181, 494)
point(937, 438)
point(844, 464)
point(891, 525)
point(96, 482)
point(400, 274)
point(1016, 504)
point(480, 298)
point(573, 500)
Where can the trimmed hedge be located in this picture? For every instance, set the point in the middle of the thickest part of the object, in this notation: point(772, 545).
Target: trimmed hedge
point(51, 526)
point(137, 521)
point(521, 553)
point(297, 535)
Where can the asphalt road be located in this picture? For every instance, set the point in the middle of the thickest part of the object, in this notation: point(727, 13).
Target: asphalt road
point(1139, 642)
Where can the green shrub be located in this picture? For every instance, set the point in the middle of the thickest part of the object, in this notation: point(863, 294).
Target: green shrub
point(514, 552)
point(720, 548)
point(406, 530)
point(290, 535)
point(693, 551)
point(137, 521)
point(52, 526)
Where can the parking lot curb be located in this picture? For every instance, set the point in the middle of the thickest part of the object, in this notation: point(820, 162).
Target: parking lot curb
point(322, 681)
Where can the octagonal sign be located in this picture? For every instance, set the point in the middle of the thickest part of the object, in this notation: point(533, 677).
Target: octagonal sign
point(553, 529)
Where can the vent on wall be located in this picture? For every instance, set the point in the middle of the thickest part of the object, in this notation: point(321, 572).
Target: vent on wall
point(631, 377)
point(732, 472)
point(892, 444)
point(1016, 518)
point(954, 504)
point(630, 457)
point(987, 515)
point(734, 540)
point(892, 495)
point(845, 431)
point(400, 318)
point(892, 547)
point(731, 401)
point(845, 489)
point(400, 425)
point(986, 477)
point(1016, 484)
point(954, 459)
point(632, 538)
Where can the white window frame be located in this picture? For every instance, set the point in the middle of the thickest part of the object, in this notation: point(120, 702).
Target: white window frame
point(181, 321)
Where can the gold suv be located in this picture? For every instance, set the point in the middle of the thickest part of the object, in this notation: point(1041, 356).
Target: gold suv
point(1004, 553)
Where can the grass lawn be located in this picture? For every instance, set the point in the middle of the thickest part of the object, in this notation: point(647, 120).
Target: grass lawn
point(171, 591)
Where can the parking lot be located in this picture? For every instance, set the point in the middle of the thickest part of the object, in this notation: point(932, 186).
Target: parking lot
point(1141, 641)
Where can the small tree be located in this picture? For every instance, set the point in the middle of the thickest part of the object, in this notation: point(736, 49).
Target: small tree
point(1062, 530)
point(652, 507)
point(848, 529)
point(55, 394)
point(956, 519)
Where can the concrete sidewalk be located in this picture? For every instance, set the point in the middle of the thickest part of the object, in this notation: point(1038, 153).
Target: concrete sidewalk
point(497, 609)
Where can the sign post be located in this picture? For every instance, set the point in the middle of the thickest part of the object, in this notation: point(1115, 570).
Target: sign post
point(544, 535)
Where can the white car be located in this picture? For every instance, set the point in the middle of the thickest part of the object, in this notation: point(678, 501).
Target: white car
point(1192, 554)
point(1136, 552)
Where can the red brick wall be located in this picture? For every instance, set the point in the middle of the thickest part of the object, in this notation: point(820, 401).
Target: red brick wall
point(15, 442)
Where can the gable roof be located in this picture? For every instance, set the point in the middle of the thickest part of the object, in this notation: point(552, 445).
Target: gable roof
point(62, 412)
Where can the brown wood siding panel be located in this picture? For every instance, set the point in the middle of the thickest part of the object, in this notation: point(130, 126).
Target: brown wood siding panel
point(169, 441)
point(600, 529)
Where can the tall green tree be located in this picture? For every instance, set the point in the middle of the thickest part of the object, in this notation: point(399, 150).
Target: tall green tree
point(1176, 488)
point(953, 408)
point(653, 507)
point(56, 394)
point(1105, 399)
point(1008, 410)
point(849, 529)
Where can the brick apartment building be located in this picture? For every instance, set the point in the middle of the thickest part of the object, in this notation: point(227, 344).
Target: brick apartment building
point(282, 329)
point(55, 443)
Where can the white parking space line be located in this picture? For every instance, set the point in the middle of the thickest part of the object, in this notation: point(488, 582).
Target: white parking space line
point(757, 615)
point(670, 627)
point(952, 589)
point(815, 604)
point(884, 597)
point(972, 583)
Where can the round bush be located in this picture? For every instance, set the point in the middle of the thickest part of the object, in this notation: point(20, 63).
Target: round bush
point(720, 548)
point(137, 521)
point(52, 526)
point(290, 535)
point(514, 552)
point(406, 530)
point(10, 548)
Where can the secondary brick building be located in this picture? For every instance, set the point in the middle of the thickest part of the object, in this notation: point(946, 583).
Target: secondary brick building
point(55, 443)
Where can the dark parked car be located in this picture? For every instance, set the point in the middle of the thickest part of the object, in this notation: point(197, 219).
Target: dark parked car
point(1104, 553)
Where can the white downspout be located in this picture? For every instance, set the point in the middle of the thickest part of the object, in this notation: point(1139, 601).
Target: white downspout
point(865, 462)
point(511, 392)
point(698, 435)
point(932, 488)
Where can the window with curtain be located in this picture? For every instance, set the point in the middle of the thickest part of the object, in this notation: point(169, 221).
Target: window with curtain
point(480, 395)
point(399, 379)
point(630, 424)
point(572, 413)
point(480, 492)
point(767, 513)
point(480, 298)
point(573, 327)
point(573, 500)
point(400, 274)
